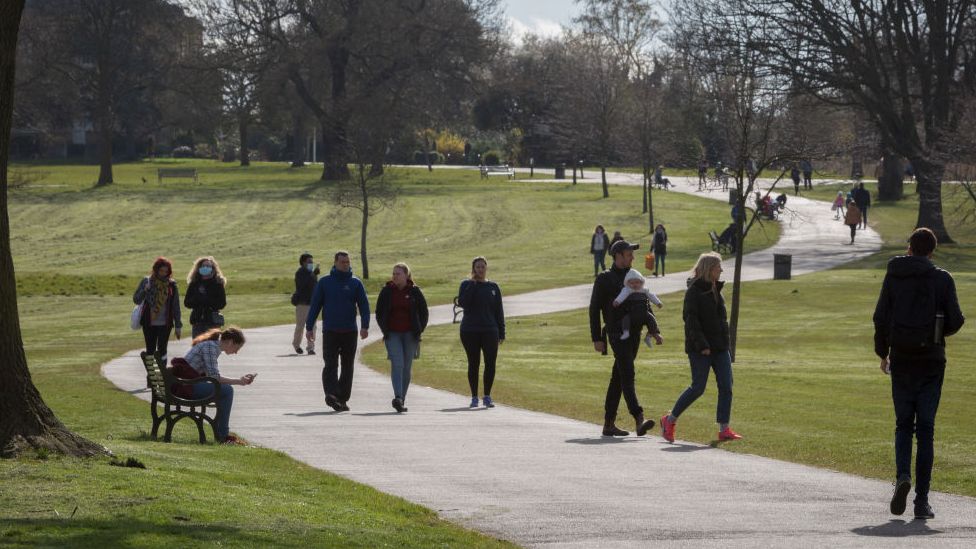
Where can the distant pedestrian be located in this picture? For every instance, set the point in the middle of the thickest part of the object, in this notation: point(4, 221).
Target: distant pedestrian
point(660, 247)
point(482, 327)
point(599, 246)
point(605, 289)
point(707, 346)
point(616, 238)
point(401, 314)
point(206, 295)
point(702, 173)
point(916, 310)
point(338, 296)
point(160, 299)
point(795, 176)
point(862, 197)
point(807, 168)
point(852, 218)
point(838, 205)
point(306, 277)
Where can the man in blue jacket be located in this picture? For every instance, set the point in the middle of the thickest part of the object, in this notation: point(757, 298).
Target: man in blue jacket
point(337, 296)
point(916, 311)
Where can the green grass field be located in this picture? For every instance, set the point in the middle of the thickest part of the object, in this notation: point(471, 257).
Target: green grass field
point(79, 252)
point(807, 384)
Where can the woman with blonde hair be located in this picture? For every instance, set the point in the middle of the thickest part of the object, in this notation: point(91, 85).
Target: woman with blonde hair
point(401, 312)
point(707, 345)
point(202, 357)
point(205, 295)
point(482, 327)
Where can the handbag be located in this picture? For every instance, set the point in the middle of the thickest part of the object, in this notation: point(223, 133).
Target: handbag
point(649, 261)
point(216, 318)
point(135, 319)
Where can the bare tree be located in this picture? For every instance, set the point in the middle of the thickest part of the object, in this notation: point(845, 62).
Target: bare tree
point(25, 420)
point(908, 65)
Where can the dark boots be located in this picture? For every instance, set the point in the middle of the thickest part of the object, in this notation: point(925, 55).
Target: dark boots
point(611, 430)
point(643, 426)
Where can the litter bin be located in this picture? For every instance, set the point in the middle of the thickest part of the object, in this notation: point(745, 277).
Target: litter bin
point(733, 196)
point(782, 264)
point(561, 171)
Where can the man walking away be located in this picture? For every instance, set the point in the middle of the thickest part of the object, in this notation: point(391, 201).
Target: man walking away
point(338, 295)
point(917, 309)
point(605, 289)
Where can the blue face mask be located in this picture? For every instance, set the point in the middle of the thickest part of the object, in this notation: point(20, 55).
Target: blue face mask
point(206, 271)
point(310, 267)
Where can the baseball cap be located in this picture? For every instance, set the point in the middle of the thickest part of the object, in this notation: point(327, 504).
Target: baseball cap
point(622, 245)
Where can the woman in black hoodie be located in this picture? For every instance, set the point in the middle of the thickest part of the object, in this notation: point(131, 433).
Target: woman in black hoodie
point(205, 295)
point(707, 345)
point(482, 327)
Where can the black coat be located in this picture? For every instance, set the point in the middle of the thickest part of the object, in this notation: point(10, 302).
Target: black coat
point(660, 243)
point(606, 287)
point(419, 313)
point(305, 281)
point(706, 321)
point(203, 297)
point(907, 275)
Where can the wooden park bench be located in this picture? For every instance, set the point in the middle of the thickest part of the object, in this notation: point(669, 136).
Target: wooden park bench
point(177, 172)
point(488, 171)
point(161, 380)
point(457, 310)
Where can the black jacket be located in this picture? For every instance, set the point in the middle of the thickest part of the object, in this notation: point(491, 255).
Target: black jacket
point(862, 197)
point(605, 288)
point(904, 275)
point(305, 281)
point(706, 321)
point(482, 304)
point(660, 243)
point(418, 309)
point(203, 297)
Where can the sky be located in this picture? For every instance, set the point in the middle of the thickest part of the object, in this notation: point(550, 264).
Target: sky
point(542, 17)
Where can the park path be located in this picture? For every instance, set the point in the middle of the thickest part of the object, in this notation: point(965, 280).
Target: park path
point(546, 481)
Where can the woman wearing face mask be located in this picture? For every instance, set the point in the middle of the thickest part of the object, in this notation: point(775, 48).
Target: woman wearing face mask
point(306, 277)
point(161, 297)
point(482, 327)
point(205, 296)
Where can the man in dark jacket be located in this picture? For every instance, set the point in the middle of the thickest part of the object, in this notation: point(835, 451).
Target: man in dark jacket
point(605, 288)
point(917, 308)
point(862, 197)
point(306, 277)
point(337, 296)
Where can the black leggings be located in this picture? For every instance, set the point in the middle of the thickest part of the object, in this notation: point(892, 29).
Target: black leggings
point(474, 344)
point(157, 338)
point(853, 230)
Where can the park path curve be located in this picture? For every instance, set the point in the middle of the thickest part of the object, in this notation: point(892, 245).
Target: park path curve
point(546, 481)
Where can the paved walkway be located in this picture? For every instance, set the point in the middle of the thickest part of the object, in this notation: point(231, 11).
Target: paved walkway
point(546, 481)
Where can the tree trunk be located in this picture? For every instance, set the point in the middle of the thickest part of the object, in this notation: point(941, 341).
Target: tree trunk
point(891, 184)
point(603, 174)
point(362, 232)
point(334, 165)
point(104, 145)
point(430, 168)
point(650, 198)
point(376, 169)
point(737, 275)
point(928, 178)
point(644, 185)
point(298, 151)
point(25, 421)
point(574, 169)
point(242, 126)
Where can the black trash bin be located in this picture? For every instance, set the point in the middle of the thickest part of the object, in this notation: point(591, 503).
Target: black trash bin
point(733, 196)
point(561, 171)
point(782, 265)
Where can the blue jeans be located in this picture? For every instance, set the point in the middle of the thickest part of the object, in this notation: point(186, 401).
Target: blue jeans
point(916, 396)
point(598, 261)
point(721, 363)
point(400, 349)
point(224, 404)
point(659, 261)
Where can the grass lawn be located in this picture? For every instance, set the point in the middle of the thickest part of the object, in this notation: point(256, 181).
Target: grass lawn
point(807, 384)
point(80, 250)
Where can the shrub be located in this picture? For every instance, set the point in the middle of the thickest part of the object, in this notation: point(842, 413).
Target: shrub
point(436, 157)
point(418, 158)
point(492, 158)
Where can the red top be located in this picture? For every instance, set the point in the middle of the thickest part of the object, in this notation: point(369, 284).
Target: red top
point(400, 309)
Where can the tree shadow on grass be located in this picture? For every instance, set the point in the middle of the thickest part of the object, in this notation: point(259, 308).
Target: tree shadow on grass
point(176, 531)
point(897, 528)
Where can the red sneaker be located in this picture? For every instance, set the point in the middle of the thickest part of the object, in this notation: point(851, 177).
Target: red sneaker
point(667, 428)
point(728, 434)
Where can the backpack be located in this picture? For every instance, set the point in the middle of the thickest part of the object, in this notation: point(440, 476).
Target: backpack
point(913, 317)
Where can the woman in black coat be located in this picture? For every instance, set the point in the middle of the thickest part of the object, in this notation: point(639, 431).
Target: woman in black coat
point(205, 295)
point(707, 345)
point(482, 327)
